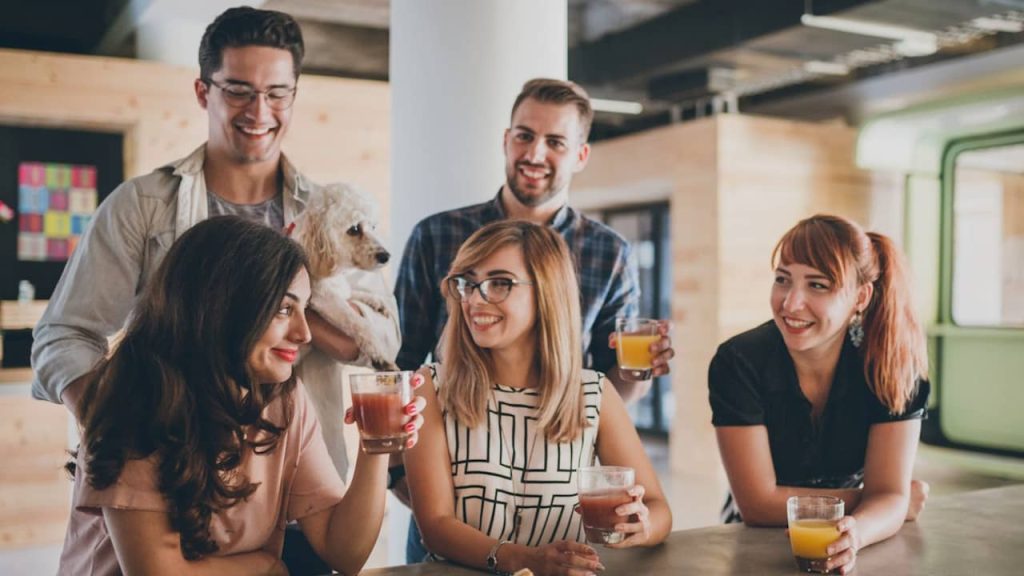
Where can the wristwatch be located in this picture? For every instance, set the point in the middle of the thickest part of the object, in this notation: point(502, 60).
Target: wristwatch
point(492, 558)
point(395, 473)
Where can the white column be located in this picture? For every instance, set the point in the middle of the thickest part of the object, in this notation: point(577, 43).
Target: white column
point(456, 67)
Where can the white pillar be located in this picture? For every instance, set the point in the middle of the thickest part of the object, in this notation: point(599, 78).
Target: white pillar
point(456, 67)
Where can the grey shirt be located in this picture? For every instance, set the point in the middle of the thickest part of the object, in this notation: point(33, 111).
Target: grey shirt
point(269, 212)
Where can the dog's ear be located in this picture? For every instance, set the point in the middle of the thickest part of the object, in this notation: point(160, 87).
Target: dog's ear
point(316, 238)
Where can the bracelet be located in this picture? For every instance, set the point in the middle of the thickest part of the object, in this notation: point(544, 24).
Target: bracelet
point(492, 558)
point(395, 473)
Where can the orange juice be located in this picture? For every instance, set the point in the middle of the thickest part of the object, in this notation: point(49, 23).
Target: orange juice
point(810, 538)
point(635, 350)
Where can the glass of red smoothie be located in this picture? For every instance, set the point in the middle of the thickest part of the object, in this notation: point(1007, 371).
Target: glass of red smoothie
point(378, 400)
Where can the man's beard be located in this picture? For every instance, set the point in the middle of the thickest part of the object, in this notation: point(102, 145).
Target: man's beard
point(532, 200)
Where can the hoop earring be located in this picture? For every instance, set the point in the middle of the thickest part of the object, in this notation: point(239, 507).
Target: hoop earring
point(856, 329)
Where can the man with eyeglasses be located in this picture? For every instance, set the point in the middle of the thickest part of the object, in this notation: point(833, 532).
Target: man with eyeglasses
point(544, 146)
point(249, 62)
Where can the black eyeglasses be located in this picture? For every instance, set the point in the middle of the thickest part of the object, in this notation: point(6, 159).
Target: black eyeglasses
point(492, 290)
point(241, 95)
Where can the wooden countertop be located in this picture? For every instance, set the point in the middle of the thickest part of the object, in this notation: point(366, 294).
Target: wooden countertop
point(968, 533)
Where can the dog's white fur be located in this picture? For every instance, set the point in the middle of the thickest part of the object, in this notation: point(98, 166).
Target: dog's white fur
point(336, 229)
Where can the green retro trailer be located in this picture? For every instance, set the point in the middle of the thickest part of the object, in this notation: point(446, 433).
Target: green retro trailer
point(963, 212)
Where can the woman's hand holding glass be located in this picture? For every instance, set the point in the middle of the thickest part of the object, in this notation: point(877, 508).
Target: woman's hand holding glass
point(638, 532)
point(413, 414)
point(843, 552)
point(563, 558)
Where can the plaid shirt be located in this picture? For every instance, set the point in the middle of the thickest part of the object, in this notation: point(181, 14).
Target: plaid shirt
point(606, 270)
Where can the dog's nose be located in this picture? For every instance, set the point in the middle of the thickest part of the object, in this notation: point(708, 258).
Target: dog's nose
point(383, 257)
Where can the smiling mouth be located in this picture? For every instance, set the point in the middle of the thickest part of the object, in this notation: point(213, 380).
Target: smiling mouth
point(533, 172)
point(483, 321)
point(286, 355)
point(797, 324)
point(254, 131)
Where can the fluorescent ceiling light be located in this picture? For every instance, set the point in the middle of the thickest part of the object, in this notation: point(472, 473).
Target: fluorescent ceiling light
point(827, 68)
point(998, 24)
point(616, 106)
point(911, 42)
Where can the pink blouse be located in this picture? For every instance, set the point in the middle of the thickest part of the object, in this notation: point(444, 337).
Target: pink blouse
point(296, 479)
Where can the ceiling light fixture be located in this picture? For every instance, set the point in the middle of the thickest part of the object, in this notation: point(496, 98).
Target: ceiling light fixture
point(909, 42)
point(616, 106)
point(998, 24)
point(826, 68)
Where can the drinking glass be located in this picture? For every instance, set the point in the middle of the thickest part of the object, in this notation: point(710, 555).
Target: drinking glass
point(378, 400)
point(812, 527)
point(633, 348)
point(602, 489)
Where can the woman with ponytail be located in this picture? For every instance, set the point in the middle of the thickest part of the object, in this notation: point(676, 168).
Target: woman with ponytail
point(828, 397)
point(198, 442)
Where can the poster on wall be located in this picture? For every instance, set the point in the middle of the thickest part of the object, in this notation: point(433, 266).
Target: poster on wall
point(56, 202)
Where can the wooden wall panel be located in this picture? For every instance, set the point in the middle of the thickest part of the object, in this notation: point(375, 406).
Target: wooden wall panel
point(35, 493)
point(339, 131)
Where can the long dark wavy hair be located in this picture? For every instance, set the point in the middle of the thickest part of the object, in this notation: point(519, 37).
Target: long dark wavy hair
point(178, 387)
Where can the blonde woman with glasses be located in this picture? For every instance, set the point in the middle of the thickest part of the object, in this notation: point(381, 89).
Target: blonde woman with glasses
point(511, 416)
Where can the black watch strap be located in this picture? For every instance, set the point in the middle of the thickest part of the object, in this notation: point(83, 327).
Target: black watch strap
point(395, 473)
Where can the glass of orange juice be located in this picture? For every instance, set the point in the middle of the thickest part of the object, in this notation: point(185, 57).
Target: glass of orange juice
point(812, 527)
point(633, 348)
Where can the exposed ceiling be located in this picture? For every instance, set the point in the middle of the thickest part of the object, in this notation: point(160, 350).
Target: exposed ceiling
point(679, 58)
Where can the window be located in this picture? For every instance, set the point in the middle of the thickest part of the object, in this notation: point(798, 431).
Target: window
point(647, 230)
point(988, 237)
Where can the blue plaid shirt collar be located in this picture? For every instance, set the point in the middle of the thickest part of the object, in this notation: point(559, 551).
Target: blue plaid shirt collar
point(496, 211)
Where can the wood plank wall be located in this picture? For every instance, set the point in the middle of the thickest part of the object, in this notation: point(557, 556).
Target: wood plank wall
point(735, 184)
point(340, 131)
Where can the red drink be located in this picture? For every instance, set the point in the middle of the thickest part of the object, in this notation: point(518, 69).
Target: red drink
point(381, 421)
point(599, 517)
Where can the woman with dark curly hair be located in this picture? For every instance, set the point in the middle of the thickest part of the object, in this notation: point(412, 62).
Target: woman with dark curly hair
point(199, 444)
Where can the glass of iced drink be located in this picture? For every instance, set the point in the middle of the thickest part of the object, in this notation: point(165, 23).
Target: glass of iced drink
point(813, 524)
point(633, 347)
point(378, 400)
point(602, 489)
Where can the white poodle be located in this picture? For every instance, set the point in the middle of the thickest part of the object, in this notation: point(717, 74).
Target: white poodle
point(336, 229)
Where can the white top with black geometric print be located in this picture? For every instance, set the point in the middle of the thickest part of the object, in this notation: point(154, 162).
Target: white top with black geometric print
point(505, 467)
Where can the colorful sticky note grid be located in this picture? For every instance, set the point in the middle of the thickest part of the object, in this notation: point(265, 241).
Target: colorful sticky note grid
point(32, 247)
point(79, 222)
point(83, 177)
point(32, 174)
point(33, 200)
point(55, 204)
point(57, 224)
point(82, 200)
point(31, 223)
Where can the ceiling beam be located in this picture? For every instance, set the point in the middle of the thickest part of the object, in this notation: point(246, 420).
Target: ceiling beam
point(342, 50)
point(661, 44)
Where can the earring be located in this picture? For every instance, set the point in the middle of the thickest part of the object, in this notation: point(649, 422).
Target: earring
point(856, 329)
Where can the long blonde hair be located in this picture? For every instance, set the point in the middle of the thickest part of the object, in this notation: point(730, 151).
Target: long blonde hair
point(894, 350)
point(557, 330)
